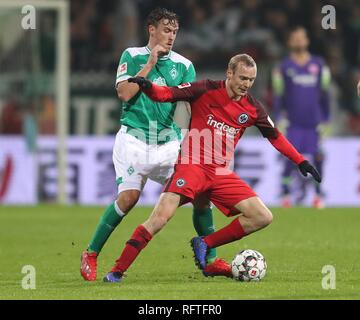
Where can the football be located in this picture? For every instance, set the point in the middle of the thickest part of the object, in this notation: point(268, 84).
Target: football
point(248, 265)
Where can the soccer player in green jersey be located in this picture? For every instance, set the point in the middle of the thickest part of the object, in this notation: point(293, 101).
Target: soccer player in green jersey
point(147, 143)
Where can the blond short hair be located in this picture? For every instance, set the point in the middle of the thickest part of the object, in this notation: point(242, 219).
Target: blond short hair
point(243, 58)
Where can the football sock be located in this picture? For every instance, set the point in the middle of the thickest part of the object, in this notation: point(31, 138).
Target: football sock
point(204, 225)
point(231, 232)
point(108, 222)
point(137, 242)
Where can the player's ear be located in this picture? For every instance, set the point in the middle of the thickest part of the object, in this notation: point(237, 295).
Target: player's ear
point(229, 73)
point(151, 29)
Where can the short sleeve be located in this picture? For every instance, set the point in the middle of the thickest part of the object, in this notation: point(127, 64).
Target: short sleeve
point(190, 75)
point(126, 68)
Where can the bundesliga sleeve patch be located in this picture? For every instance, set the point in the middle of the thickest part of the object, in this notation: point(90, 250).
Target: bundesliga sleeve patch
point(184, 85)
point(122, 69)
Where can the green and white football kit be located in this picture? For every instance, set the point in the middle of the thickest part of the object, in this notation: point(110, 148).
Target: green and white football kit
point(147, 143)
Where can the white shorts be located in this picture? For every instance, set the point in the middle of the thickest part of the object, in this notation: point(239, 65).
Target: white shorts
point(136, 161)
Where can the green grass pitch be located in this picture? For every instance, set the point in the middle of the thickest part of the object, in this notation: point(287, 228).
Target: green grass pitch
point(297, 245)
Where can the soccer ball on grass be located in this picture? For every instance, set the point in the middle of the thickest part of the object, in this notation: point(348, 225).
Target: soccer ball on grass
point(248, 265)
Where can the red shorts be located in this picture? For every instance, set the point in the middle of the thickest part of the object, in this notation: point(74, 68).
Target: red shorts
point(223, 190)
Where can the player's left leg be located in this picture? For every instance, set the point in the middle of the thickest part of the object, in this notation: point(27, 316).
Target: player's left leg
point(231, 196)
point(254, 216)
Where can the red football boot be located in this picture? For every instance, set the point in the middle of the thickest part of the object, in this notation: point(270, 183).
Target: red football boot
point(88, 265)
point(218, 268)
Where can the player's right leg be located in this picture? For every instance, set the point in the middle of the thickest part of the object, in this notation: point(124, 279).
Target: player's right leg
point(162, 213)
point(186, 182)
point(130, 180)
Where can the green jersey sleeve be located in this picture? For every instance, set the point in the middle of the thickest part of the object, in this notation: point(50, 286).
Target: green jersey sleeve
point(126, 68)
point(190, 75)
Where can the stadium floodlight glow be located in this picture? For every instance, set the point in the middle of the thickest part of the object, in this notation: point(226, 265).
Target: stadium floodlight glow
point(62, 71)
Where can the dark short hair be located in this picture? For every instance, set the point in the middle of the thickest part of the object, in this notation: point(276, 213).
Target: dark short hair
point(159, 14)
point(243, 58)
point(295, 28)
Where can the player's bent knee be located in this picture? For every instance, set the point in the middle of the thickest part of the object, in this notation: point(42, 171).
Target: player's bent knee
point(263, 218)
point(127, 200)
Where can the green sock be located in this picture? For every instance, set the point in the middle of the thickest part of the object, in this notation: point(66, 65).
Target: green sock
point(108, 222)
point(204, 225)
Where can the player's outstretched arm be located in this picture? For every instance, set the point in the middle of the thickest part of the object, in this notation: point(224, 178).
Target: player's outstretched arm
point(162, 93)
point(153, 91)
point(287, 149)
point(143, 83)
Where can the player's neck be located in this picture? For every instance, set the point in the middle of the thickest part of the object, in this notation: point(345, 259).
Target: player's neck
point(232, 95)
point(301, 58)
point(150, 45)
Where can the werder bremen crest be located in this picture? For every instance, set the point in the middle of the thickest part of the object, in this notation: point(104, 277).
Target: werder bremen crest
point(173, 73)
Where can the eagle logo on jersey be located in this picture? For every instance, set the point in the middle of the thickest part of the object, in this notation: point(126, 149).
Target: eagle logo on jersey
point(180, 182)
point(243, 118)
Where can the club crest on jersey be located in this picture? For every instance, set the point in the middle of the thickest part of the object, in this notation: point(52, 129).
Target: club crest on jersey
point(184, 85)
point(173, 73)
point(243, 118)
point(180, 182)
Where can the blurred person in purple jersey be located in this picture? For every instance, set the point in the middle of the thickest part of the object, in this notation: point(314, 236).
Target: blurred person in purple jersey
point(300, 88)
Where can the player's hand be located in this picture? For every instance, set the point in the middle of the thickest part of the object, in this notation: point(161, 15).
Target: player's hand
point(305, 167)
point(156, 52)
point(141, 81)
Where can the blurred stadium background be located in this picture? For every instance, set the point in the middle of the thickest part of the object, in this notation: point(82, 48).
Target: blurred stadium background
point(35, 130)
point(59, 114)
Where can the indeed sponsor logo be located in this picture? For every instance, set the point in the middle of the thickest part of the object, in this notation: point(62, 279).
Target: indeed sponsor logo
point(221, 126)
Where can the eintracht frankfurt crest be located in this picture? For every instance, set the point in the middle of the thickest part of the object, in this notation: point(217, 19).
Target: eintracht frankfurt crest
point(243, 118)
point(180, 182)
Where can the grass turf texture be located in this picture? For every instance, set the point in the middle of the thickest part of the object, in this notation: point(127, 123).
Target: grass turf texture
point(296, 246)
